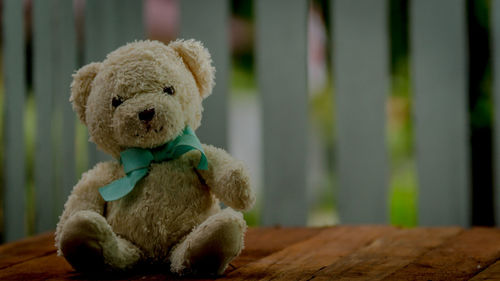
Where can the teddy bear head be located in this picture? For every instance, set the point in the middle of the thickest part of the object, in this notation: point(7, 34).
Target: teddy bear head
point(143, 94)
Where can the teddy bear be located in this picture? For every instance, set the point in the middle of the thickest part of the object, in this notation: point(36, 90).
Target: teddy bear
point(158, 201)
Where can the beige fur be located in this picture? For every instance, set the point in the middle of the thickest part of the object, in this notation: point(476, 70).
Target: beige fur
point(175, 206)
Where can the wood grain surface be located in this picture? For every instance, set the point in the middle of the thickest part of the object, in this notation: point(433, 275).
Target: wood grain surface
point(360, 252)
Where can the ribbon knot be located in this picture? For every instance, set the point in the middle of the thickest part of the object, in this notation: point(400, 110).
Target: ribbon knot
point(136, 162)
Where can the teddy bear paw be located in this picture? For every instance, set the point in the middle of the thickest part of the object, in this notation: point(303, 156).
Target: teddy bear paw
point(90, 245)
point(210, 247)
point(80, 241)
point(239, 193)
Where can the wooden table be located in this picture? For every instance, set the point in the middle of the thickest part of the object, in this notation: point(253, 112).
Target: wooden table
point(342, 252)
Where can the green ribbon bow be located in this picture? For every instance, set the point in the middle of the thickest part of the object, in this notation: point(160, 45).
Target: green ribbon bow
point(136, 162)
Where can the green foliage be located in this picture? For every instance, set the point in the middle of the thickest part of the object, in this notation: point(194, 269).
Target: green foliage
point(403, 183)
point(29, 138)
point(323, 211)
point(81, 146)
point(253, 216)
point(322, 113)
point(242, 79)
point(242, 8)
point(403, 197)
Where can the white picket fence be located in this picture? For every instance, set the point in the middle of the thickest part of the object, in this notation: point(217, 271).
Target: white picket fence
point(361, 75)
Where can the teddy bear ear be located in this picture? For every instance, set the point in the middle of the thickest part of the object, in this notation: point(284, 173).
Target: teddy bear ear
point(81, 87)
point(198, 60)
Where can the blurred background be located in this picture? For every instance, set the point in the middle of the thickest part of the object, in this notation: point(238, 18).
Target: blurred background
point(162, 20)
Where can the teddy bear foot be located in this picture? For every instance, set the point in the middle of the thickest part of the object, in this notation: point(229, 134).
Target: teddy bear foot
point(89, 245)
point(211, 246)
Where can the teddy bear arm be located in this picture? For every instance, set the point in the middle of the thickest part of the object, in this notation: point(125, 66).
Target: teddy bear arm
point(228, 179)
point(85, 195)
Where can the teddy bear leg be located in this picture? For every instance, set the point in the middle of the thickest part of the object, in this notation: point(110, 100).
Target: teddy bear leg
point(210, 247)
point(89, 244)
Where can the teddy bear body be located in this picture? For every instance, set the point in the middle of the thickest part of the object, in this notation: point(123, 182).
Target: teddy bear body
point(165, 215)
point(142, 97)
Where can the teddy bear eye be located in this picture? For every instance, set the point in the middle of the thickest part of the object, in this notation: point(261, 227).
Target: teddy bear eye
point(169, 90)
point(116, 101)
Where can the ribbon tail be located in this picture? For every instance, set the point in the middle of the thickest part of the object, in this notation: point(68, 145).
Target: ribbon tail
point(189, 144)
point(121, 187)
point(203, 164)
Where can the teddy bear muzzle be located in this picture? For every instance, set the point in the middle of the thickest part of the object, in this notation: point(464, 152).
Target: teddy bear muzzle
point(149, 125)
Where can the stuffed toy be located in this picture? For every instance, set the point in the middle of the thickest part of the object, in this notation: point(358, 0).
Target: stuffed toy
point(158, 203)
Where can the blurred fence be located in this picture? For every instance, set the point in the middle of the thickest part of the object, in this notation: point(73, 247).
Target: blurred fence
point(360, 71)
point(108, 24)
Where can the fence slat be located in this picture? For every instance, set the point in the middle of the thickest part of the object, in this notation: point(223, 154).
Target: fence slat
point(108, 25)
point(213, 31)
point(15, 91)
point(130, 21)
point(100, 19)
point(100, 24)
point(495, 15)
point(64, 55)
point(282, 77)
point(361, 75)
point(43, 90)
point(438, 43)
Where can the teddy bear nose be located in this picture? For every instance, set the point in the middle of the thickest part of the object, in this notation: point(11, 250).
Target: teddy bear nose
point(147, 115)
